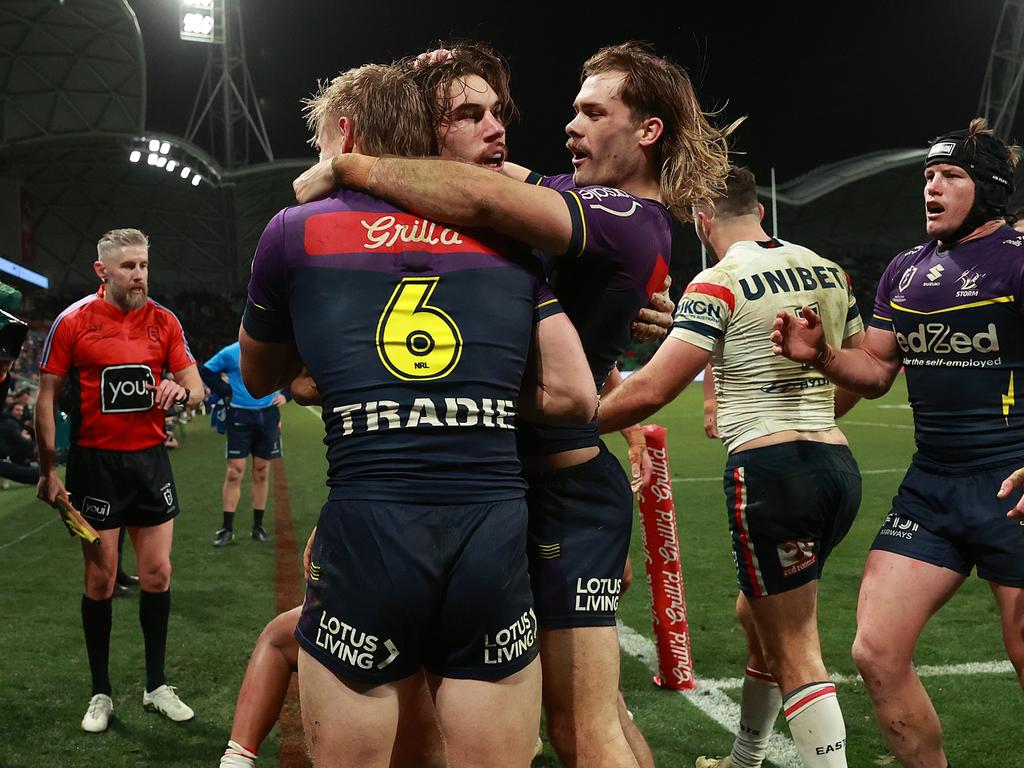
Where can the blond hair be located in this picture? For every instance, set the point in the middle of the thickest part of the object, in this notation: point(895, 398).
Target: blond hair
point(120, 238)
point(692, 155)
point(979, 127)
point(388, 112)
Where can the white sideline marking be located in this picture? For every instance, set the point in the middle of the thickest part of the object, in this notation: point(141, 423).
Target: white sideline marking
point(711, 699)
point(25, 536)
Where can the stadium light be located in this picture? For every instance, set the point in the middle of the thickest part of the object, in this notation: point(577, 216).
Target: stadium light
point(185, 172)
point(154, 145)
point(135, 156)
point(165, 148)
point(151, 160)
point(161, 161)
point(171, 165)
point(196, 179)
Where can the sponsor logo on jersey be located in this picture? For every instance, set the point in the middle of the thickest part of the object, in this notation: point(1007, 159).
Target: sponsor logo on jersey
point(969, 283)
point(934, 274)
point(791, 279)
point(1016, 242)
point(95, 509)
point(940, 339)
point(123, 388)
point(376, 415)
point(796, 556)
point(699, 308)
point(353, 232)
point(794, 385)
point(906, 277)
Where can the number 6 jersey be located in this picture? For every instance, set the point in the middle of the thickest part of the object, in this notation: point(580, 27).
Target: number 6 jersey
point(417, 336)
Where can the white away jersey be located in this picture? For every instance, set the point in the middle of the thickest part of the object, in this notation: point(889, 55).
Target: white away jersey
point(728, 310)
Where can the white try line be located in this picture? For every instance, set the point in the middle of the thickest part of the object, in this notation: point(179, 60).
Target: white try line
point(26, 535)
point(711, 699)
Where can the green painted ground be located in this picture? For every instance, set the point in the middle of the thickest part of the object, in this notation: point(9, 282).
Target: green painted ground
point(222, 598)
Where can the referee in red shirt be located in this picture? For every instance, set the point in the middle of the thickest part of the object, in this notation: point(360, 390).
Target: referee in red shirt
point(115, 347)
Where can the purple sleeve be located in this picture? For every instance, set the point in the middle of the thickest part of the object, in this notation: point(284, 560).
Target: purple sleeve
point(881, 315)
point(266, 315)
point(545, 304)
point(559, 183)
point(630, 234)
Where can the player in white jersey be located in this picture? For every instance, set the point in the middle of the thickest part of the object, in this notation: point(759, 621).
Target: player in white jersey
point(792, 487)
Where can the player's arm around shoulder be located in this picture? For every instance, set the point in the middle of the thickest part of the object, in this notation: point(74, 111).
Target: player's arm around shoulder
point(464, 195)
point(557, 384)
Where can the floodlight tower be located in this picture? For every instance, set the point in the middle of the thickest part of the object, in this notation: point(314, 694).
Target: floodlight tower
point(1004, 76)
point(226, 98)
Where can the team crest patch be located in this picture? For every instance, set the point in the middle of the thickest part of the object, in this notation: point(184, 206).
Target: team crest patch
point(96, 509)
point(168, 494)
point(153, 332)
point(908, 275)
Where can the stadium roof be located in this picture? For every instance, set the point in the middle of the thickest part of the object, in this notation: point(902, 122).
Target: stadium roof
point(70, 69)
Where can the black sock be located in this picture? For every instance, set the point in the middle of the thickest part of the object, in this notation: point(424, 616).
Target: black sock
point(229, 521)
point(154, 610)
point(257, 517)
point(97, 617)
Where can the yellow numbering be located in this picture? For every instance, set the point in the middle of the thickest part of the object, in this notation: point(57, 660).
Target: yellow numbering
point(415, 341)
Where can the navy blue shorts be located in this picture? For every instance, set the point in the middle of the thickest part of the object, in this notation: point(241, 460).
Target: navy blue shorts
point(955, 521)
point(122, 488)
point(581, 519)
point(789, 505)
point(254, 431)
point(395, 587)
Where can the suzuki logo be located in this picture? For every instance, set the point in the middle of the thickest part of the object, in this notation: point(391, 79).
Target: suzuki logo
point(935, 272)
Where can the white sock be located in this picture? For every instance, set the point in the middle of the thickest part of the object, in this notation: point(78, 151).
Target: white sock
point(759, 706)
point(816, 724)
point(237, 756)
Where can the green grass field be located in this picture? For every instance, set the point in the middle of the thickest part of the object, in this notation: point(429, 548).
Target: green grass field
point(222, 598)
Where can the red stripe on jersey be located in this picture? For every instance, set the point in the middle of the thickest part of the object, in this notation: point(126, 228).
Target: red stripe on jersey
point(657, 278)
point(826, 691)
point(745, 544)
point(717, 291)
point(355, 232)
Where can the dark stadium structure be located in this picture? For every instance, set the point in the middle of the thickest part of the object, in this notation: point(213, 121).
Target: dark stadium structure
point(73, 106)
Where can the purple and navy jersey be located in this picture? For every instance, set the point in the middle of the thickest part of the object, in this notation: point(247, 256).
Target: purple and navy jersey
point(957, 317)
point(618, 256)
point(416, 335)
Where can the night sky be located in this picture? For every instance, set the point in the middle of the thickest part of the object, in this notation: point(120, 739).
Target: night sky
point(818, 87)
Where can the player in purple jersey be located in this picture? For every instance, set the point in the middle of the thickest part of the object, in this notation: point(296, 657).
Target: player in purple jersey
point(419, 391)
point(949, 311)
point(642, 149)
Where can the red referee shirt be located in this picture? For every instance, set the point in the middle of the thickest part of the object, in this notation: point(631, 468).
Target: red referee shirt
point(114, 355)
